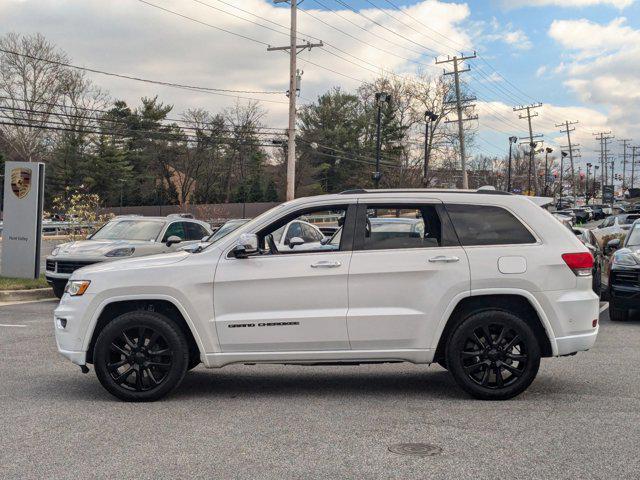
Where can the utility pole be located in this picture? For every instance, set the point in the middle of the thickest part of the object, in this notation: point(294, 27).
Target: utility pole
point(293, 49)
point(459, 105)
point(568, 131)
point(603, 137)
point(532, 144)
point(625, 142)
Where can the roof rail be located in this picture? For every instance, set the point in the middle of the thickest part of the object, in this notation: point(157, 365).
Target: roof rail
point(482, 190)
point(180, 215)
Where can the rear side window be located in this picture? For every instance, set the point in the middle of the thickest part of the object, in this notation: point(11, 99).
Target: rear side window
point(487, 225)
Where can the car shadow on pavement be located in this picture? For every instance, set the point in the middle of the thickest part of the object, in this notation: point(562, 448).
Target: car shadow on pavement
point(430, 384)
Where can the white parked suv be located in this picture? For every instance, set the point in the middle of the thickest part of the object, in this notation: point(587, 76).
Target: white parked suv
point(483, 283)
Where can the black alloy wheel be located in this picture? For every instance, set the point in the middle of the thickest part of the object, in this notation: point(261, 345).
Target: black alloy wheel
point(493, 355)
point(141, 356)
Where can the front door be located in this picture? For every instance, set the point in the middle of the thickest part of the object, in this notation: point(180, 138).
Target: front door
point(406, 268)
point(287, 299)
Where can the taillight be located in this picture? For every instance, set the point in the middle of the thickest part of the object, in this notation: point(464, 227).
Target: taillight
point(581, 263)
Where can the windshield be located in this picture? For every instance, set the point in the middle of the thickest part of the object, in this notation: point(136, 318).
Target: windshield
point(226, 229)
point(146, 230)
point(629, 219)
point(633, 240)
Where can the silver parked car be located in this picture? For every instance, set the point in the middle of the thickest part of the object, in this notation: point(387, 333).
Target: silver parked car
point(123, 237)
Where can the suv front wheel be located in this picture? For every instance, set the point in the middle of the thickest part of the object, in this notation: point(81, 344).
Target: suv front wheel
point(493, 355)
point(141, 356)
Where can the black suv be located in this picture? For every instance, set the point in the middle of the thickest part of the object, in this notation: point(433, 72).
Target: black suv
point(624, 274)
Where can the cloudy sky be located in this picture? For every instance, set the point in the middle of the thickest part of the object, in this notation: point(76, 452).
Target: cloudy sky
point(580, 58)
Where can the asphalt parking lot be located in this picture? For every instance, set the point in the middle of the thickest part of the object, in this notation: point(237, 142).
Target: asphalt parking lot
point(579, 419)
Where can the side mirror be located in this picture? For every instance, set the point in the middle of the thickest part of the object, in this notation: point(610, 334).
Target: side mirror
point(295, 241)
point(246, 245)
point(613, 244)
point(173, 239)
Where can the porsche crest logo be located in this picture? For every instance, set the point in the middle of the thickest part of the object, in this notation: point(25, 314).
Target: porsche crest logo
point(21, 181)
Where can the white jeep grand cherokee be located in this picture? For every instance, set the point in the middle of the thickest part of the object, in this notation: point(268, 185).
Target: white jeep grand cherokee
point(483, 283)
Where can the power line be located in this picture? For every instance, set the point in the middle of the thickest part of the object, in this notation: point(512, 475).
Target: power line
point(96, 110)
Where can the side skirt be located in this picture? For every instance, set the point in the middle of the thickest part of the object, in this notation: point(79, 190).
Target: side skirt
point(420, 356)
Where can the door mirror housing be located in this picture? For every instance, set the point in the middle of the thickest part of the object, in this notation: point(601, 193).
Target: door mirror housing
point(613, 244)
point(246, 245)
point(172, 240)
point(295, 241)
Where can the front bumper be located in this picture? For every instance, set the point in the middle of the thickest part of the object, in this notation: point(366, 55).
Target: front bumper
point(624, 287)
point(71, 340)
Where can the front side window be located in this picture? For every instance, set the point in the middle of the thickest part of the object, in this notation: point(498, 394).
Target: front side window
point(634, 237)
point(147, 230)
point(302, 233)
point(176, 229)
point(487, 225)
point(402, 226)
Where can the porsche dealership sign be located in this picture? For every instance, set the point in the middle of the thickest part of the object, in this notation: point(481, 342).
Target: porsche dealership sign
point(22, 219)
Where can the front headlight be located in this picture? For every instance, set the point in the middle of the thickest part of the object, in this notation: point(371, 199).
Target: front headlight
point(120, 252)
point(75, 288)
point(55, 251)
point(624, 259)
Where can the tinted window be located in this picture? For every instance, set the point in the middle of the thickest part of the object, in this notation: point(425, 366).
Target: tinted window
point(403, 226)
point(195, 231)
point(175, 230)
point(487, 225)
point(629, 219)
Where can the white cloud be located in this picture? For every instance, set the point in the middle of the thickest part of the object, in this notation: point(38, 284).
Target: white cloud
point(506, 33)
point(619, 4)
point(603, 68)
point(541, 71)
point(132, 38)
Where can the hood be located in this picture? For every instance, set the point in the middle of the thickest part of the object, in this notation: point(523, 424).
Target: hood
point(135, 262)
point(96, 247)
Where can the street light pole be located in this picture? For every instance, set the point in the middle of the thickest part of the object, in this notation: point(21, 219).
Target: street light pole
point(429, 118)
point(546, 170)
point(381, 97)
point(586, 185)
point(562, 156)
point(512, 140)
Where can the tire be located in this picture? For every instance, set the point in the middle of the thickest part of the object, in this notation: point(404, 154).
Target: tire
point(617, 314)
point(162, 357)
point(58, 288)
point(507, 359)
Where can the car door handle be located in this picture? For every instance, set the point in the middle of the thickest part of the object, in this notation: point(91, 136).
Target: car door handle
point(444, 259)
point(326, 264)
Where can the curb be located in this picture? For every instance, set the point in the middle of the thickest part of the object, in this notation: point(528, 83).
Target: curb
point(26, 295)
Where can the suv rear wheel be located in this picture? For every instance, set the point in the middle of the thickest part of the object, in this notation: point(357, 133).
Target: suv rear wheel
point(141, 356)
point(493, 355)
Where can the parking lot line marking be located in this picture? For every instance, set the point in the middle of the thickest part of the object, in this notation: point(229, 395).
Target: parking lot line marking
point(604, 306)
point(17, 326)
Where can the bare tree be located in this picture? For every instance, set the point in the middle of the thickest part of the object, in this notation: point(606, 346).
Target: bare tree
point(32, 81)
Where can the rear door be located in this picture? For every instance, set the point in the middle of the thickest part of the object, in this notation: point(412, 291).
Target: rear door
point(407, 267)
